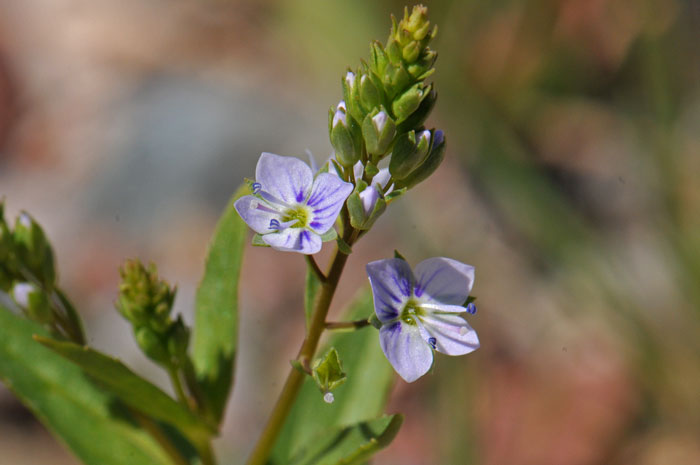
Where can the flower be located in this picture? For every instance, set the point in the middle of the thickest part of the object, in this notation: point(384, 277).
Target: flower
point(289, 208)
point(421, 312)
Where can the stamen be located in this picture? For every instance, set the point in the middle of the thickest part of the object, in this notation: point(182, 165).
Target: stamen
point(274, 224)
point(433, 342)
point(256, 186)
point(471, 308)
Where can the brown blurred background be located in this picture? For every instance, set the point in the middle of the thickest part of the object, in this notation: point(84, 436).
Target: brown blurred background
point(571, 183)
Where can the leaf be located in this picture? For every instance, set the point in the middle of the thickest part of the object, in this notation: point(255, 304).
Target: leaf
point(349, 445)
point(310, 290)
point(329, 235)
point(216, 317)
point(91, 422)
point(130, 388)
point(258, 241)
point(361, 397)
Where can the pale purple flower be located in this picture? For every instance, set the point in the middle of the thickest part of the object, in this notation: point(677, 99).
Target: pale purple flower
point(422, 311)
point(289, 207)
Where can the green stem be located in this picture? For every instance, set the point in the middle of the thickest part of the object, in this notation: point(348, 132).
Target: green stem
point(314, 266)
point(347, 325)
point(295, 379)
point(177, 384)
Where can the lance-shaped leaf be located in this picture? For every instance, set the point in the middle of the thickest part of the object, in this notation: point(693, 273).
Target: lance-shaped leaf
point(349, 445)
point(362, 397)
point(216, 318)
point(131, 389)
point(91, 422)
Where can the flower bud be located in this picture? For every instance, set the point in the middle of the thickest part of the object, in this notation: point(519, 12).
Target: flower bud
point(344, 135)
point(145, 299)
point(431, 163)
point(379, 58)
point(152, 344)
point(33, 250)
point(393, 52)
point(369, 94)
point(411, 52)
point(419, 116)
point(408, 153)
point(328, 373)
point(378, 130)
point(395, 80)
point(365, 205)
point(33, 301)
point(409, 101)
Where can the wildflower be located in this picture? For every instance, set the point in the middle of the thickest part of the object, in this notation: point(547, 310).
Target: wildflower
point(421, 312)
point(289, 208)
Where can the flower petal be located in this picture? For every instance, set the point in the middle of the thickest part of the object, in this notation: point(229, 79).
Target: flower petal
point(453, 335)
point(294, 240)
point(444, 280)
point(369, 198)
point(406, 350)
point(392, 282)
point(256, 214)
point(287, 178)
point(382, 177)
point(327, 197)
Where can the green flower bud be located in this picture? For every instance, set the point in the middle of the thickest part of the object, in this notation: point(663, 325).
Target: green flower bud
point(411, 52)
point(371, 170)
point(344, 135)
point(419, 116)
point(33, 301)
point(409, 101)
point(365, 205)
point(408, 153)
point(379, 60)
point(144, 299)
point(393, 52)
point(369, 94)
point(395, 80)
point(33, 250)
point(431, 163)
point(328, 373)
point(152, 344)
point(378, 130)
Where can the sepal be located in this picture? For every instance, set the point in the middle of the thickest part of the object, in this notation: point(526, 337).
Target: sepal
point(328, 373)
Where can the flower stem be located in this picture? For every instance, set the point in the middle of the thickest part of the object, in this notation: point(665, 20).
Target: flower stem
point(314, 266)
point(295, 379)
point(347, 325)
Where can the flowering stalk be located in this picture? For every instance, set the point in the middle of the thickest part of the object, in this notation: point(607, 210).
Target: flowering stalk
point(307, 350)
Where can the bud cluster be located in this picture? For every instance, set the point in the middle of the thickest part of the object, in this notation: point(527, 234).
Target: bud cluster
point(385, 104)
point(146, 301)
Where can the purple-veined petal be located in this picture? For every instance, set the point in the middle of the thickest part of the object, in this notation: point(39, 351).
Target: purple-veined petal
point(286, 178)
point(391, 281)
point(369, 198)
point(406, 350)
point(327, 197)
point(453, 335)
point(444, 280)
point(294, 240)
point(256, 213)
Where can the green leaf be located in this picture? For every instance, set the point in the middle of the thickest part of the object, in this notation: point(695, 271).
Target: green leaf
point(92, 423)
point(216, 317)
point(363, 396)
point(311, 289)
point(258, 241)
point(349, 445)
point(329, 235)
point(344, 246)
point(131, 389)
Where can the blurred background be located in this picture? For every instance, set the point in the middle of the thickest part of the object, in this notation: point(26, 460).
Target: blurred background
point(570, 183)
